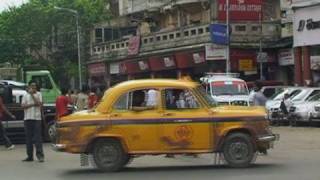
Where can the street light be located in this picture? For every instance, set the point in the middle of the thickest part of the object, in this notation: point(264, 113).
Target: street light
point(78, 38)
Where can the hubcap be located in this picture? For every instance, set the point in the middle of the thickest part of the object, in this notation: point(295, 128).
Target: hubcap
point(238, 150)
point(107, 155)
point(52, 131)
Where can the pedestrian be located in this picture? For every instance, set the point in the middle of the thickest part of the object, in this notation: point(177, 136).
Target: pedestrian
point(62, 103)
point(3, 133)
point(74, 96)
point(258, 98)
point(82, 100)
point(32, 105)
point(92, 99)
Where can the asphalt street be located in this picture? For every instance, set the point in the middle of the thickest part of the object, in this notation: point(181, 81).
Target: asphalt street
point(295, 157)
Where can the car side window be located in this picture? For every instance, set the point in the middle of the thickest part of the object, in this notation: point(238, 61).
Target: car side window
point(143, 99)
point(180, 99)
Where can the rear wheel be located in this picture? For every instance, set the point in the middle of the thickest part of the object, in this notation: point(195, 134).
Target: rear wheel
point(238, 150)
point(109, 155)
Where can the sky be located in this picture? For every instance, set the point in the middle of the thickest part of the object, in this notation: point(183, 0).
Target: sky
point(4, 4)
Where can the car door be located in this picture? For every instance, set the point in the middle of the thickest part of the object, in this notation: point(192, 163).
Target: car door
point(136, 122)
point(186, 124)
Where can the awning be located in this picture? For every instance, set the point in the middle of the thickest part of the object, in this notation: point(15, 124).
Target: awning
point(162, 63)
point(187, 59)
point(134, 66)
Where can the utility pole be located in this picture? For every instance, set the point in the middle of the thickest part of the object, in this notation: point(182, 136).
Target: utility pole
point(228, 38)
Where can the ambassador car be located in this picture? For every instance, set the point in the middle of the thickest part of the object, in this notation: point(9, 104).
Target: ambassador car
point(182, 119)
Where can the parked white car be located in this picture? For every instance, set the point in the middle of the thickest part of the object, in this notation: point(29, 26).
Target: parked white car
point(305, 110)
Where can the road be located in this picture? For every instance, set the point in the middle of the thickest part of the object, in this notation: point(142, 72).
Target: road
point(295, 157)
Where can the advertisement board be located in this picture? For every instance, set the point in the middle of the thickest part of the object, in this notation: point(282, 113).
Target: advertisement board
point(240, 10)
point(215, 52)
point(306, 27)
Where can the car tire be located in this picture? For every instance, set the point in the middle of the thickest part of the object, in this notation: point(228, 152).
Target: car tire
point(238, 150)
point(109, 156)
point(52, 132)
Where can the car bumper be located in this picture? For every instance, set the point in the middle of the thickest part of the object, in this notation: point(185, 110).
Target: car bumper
point(59, 147)
point(269, 138)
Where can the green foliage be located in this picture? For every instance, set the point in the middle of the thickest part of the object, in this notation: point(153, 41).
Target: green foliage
point(29, 30)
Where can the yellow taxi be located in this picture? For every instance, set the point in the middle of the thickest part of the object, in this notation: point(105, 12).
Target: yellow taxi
point(162, 116)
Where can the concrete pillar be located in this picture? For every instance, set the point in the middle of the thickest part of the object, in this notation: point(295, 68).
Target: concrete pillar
point(298, 66)
point(307, 79)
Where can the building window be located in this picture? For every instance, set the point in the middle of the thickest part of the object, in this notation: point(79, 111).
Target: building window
point(98, 35)
point(178, 35)
point(207, 29)
point(158, 38)
point(122, 45)
point(145, 41)
point(171, 36)
point(255, 28)
point(112, 46)
point(200, 31)
point(127, 44)
point(241, 28)
point(151, 40)
point(186, 33)
point(118, 45)
point(193, 32)
point(165, 37)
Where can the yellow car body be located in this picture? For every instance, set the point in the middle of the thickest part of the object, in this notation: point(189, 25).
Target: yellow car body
point(160, 130)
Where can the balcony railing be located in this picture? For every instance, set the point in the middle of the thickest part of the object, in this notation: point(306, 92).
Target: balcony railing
point(249, 33)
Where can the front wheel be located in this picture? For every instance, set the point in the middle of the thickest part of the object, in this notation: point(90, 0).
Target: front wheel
point(238, 150)
point(109, 155)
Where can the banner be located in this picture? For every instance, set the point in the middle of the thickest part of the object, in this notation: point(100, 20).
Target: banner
point(240, 10)
point(134, 45)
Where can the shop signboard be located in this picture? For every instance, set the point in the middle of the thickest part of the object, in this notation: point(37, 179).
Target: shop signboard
point(285, 57)
point(246, 65)
point(114, 68)
point(134, 45)
point(143, 65)
point(306, 26)
point(218, 34)
point(215, 52)
point(168, 62)
point(262, 57)
point(240, 10)
point(315, 62)
point(198, 58)
point(96, 69)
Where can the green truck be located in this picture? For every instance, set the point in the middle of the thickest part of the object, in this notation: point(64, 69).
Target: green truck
point(43, 78)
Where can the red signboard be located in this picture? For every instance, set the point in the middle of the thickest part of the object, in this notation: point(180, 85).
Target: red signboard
point(96, 69)
point(240, 10)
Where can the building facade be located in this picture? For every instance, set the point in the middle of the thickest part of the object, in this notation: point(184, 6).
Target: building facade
point(151, 39)
point(306, 30)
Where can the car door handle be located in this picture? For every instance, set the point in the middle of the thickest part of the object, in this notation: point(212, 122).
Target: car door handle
point(115, 115)
point(167, 114)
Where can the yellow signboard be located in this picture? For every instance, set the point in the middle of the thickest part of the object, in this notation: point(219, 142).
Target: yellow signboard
point(246, 65)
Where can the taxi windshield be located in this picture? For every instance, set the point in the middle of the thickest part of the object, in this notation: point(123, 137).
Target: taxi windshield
point(219, 88)
point(206, 96)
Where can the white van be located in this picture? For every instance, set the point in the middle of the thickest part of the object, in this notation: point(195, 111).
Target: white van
point(226, 89)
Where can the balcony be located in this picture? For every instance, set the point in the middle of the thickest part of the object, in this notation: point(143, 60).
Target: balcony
point(242, 35)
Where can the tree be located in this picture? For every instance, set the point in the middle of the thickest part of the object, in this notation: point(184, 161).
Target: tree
point(36, 33)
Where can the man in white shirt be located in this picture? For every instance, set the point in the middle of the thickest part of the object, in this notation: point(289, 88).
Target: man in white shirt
point(152, 97)
point(32, 104)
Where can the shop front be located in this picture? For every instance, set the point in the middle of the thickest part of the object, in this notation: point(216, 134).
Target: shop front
point(97, 74)
point(306, 44)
